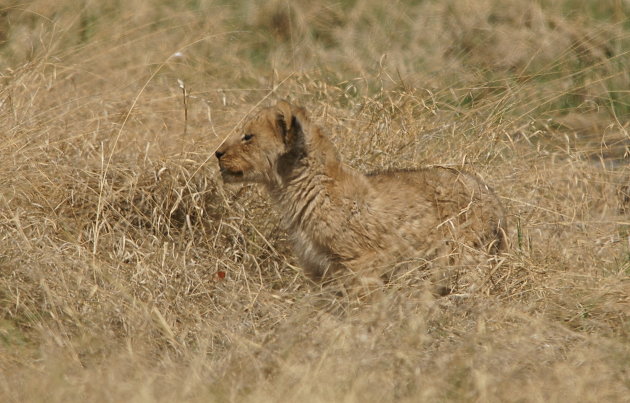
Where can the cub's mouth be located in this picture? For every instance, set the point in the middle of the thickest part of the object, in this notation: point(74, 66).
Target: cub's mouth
point(231, 176)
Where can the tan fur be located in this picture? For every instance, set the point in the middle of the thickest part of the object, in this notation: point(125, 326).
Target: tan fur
point(346, 224)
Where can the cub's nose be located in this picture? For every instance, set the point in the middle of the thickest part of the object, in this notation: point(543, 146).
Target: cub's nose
point(219, 154)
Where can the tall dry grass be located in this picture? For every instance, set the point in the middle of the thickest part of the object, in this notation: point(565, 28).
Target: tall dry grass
point(129, 273)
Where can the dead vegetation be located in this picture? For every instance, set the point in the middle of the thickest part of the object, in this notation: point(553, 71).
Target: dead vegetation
point(129, 273)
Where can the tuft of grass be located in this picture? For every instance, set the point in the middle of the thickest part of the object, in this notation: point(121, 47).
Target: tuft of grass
point(128, 272)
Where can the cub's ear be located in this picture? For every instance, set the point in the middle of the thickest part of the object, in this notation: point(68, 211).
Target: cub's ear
point(290, 126)
point(284, 117)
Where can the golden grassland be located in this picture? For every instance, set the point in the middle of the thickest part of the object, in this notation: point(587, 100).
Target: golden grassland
point(128, 272)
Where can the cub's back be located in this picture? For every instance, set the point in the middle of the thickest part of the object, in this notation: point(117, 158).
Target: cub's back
point(443, 202)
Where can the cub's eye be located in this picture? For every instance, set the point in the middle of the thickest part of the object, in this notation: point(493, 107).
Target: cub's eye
point(248, 137)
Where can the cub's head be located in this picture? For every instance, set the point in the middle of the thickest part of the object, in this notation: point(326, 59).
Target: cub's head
point(251, 154)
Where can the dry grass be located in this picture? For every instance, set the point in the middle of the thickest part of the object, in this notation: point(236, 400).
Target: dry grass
point(129, 273)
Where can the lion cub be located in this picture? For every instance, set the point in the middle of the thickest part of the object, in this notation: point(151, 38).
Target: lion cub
point(344, 224)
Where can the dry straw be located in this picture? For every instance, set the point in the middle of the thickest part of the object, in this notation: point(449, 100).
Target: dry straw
point(128, 272)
